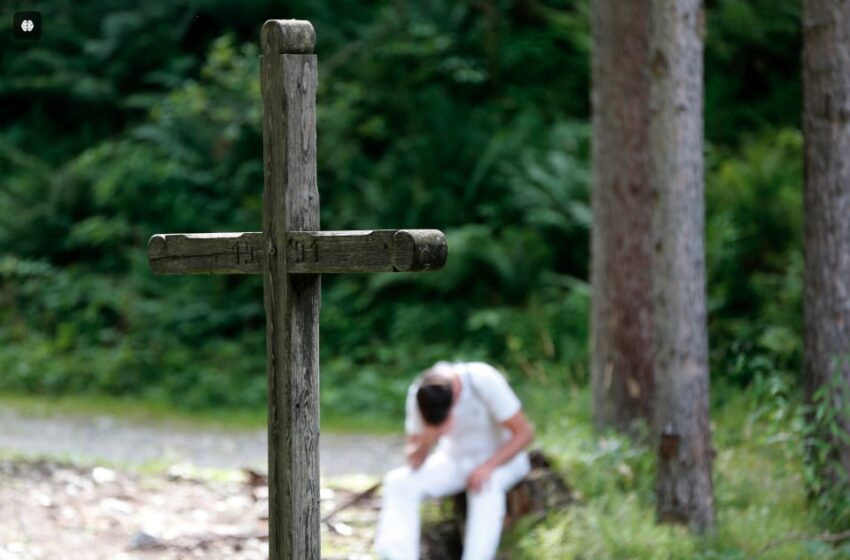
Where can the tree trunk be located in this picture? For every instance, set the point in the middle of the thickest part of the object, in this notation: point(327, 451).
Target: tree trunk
point(621, 358)
point(826, 128)
point(684, 487)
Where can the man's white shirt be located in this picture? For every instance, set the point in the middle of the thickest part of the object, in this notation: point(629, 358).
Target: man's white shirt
point(484, 403)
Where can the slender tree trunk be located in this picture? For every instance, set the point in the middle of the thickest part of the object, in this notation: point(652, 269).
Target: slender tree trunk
point(621, 248)
point(684, 489)
point(826, 128)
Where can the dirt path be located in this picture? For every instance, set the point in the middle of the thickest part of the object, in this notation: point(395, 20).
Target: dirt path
point(51, 511)
point(52, 508)
point(104, 438)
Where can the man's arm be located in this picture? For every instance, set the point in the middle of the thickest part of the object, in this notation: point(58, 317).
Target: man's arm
point(419, 445)
point(522, 433)
point(417, 448)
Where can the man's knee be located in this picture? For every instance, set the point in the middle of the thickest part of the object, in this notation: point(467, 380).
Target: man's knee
point(490, 498)
point(401, 482)
point(509, 475)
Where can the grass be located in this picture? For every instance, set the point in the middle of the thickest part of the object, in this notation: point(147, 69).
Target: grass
point(759, 492)
point(132, 410)
point(157, 412)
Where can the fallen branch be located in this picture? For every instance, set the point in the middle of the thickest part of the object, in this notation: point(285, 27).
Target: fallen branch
point(205, 541)
point(824, 537)
point(351, 501)
point(256, 479)
point(145, 541)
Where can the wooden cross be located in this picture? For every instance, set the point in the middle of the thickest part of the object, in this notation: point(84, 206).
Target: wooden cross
point(291, 254)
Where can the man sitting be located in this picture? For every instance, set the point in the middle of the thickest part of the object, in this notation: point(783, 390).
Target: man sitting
point(475, 418)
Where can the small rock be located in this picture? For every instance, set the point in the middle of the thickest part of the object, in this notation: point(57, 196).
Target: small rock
point(182, 471)
point(145, 541)
point(261, 493)
point(340, 528)
point(103, 475)
point(114, 505)
point(43, 500)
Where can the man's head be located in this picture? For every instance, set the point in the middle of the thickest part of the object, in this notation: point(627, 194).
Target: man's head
point(435, 395)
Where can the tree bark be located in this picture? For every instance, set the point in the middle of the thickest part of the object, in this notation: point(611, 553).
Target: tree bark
point(621, 246)
point(826, 129)
point(684, 489)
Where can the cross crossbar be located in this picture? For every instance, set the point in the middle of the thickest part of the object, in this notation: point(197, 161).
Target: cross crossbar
point(307, 252)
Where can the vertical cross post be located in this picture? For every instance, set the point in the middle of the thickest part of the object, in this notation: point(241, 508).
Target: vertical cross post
point(291, 203)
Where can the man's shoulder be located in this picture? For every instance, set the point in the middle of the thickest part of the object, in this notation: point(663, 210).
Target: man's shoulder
point(492, 387)
point(484, 371)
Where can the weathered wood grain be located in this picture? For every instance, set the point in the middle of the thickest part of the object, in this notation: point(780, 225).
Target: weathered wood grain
point(206, 253)
point(288, 36)
point(366, 251)
point(290, 203)
point(291, 253)
point(308, 252)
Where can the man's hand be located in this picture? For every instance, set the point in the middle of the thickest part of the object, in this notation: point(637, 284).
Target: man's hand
point(521, 434)
point(479, 477)
point(419, 445)
point(416, 455)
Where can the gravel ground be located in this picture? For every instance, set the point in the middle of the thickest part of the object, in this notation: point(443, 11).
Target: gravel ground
point(52, 510)
point(104, 438)
point(58, 500)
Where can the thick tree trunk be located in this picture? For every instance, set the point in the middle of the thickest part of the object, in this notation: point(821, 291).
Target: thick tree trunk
point(684, 487)
point(621, 249)
point(826, 127)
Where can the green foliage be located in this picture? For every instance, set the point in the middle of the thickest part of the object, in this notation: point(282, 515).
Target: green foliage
point(825, 429)
point(468, 116)
point(754, 251)
point(179, 149)
point(752, 67)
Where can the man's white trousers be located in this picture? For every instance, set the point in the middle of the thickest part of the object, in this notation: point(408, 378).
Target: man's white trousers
point(397, 537)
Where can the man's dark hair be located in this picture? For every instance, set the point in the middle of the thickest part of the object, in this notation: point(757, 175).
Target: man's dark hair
point(434, 397)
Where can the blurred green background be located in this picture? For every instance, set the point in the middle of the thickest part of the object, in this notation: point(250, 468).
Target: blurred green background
point(471, 116)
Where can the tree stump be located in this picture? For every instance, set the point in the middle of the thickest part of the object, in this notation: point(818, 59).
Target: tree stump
point(540, 492)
